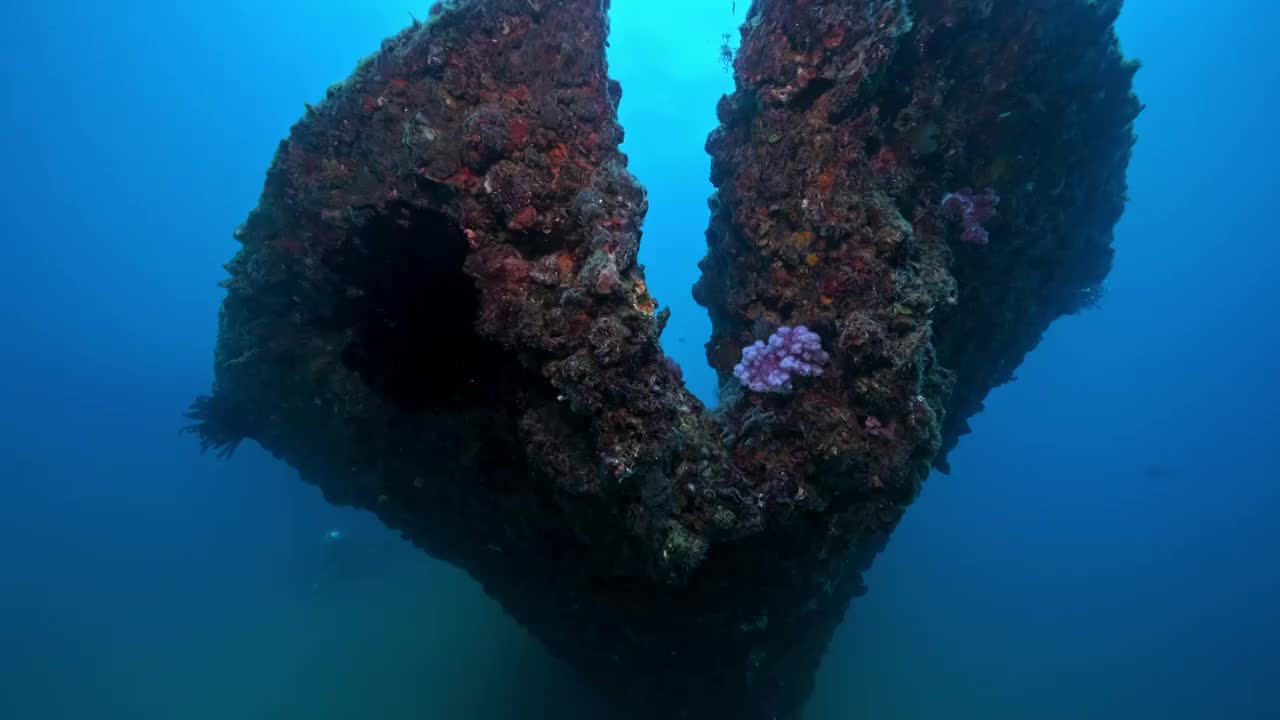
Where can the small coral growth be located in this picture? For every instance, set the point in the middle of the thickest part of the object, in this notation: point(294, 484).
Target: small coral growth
point(971, 210)
point(790, 351)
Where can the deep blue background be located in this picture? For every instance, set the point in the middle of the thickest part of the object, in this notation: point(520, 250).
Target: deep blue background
point(1052, 575)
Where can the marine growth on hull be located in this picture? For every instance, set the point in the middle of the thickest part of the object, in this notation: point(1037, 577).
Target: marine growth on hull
point(436, 312)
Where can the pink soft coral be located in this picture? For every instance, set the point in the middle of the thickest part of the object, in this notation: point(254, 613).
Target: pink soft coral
point(971, 211)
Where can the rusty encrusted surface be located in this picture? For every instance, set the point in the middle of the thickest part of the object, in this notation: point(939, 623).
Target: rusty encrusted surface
point(436, 312)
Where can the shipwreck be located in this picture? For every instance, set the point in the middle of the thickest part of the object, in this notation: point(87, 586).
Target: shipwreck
point(436, 312)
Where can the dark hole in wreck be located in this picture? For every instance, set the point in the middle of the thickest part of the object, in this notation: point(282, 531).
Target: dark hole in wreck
point(410, 310)
point(444, 440)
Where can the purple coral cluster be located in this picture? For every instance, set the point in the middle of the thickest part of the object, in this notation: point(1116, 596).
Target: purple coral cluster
point(790, 351)
point(971, 210)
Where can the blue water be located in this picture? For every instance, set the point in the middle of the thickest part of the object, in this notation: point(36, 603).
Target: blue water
point(1103, 548)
